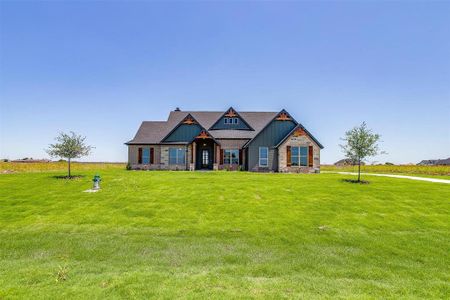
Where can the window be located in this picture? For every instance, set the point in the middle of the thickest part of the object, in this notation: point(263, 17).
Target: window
point(263, 156)
point(146, 156)
point(205, 158)
point(177, 156)
point(299, 156)
point(231, 157)
point(231, 120)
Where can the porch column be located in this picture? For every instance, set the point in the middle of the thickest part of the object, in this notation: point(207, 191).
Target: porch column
point(216, 157)
point(193, 149)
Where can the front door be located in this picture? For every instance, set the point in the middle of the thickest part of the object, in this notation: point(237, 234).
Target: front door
point(204, 155)
point(205, 158)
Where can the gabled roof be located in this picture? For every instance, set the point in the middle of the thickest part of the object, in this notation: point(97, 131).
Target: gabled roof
point(276, 115)
point(257, 120)
point(190, 118)
point(154, 132)
point(294, 129)
point(229, 111)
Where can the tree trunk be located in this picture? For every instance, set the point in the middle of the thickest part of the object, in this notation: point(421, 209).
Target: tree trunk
point(359, 170)
point(68, 162)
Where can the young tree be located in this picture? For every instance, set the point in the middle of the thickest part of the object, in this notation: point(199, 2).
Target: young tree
point(360, 143)
point(69, 146)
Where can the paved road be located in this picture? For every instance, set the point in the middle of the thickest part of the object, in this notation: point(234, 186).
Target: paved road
point(395, 176)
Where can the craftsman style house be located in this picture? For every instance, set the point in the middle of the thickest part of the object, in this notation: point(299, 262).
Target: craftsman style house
point(196, 140)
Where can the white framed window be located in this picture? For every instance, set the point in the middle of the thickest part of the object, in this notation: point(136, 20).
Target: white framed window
point(177, 156)
point(231, 157)
point(225, 120)
point(263, 156)
point(299, 156)
point(235, 120)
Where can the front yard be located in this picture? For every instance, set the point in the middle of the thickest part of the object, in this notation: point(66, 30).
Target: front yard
point(221, 235)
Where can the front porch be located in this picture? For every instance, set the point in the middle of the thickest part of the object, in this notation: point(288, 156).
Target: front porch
point(205, 153)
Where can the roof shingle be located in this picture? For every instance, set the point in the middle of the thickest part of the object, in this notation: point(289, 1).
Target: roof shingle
point(152, 132)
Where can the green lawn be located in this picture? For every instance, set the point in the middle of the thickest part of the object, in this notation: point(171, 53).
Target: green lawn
point(221, 235)
point(442, 172)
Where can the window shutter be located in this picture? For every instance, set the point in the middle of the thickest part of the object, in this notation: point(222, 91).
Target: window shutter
point(152, 156)
point(240, 156)
point(288, 155)
point(310, 156)
point(140, 156)
point(221, 156)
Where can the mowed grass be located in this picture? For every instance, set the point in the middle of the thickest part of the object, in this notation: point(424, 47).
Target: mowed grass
point(413, 170)
point(21, 167)
point(222, 235)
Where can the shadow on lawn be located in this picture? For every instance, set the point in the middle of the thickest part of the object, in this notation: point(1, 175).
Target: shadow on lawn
point(73, 177)
point(356, 181)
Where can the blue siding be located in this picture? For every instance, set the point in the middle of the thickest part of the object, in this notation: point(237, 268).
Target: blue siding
point(184, 133)
point(221, 125)
point(269, 137)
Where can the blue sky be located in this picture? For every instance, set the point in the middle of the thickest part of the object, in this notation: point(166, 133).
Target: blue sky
point(100, 68)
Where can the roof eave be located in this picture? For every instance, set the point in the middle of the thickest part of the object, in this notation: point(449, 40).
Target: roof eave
point(140, 143)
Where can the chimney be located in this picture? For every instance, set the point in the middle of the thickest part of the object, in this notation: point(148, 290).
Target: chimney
point(177, 109)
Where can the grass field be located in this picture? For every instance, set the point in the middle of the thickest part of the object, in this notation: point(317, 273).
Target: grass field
point(8, 167)
point(221, 235)
point(427, 171)
point(441, 171)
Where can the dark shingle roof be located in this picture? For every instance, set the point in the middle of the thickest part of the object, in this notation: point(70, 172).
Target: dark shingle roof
point(436, 162)
point(151, 132)
point(232, 143)
point(257, 120)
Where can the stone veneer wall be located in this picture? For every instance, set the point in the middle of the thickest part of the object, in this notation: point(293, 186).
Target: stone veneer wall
point(165, 158)
point(272, 163)
point(304, 141)
point(133, 157)
point(161, 157)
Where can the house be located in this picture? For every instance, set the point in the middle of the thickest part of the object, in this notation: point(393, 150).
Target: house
point(435, 162)
point(347, 162)
point(232, 140)
point(31, 160)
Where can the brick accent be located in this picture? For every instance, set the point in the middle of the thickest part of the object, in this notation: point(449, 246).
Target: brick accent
point(133, 153)
point(161, 158)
